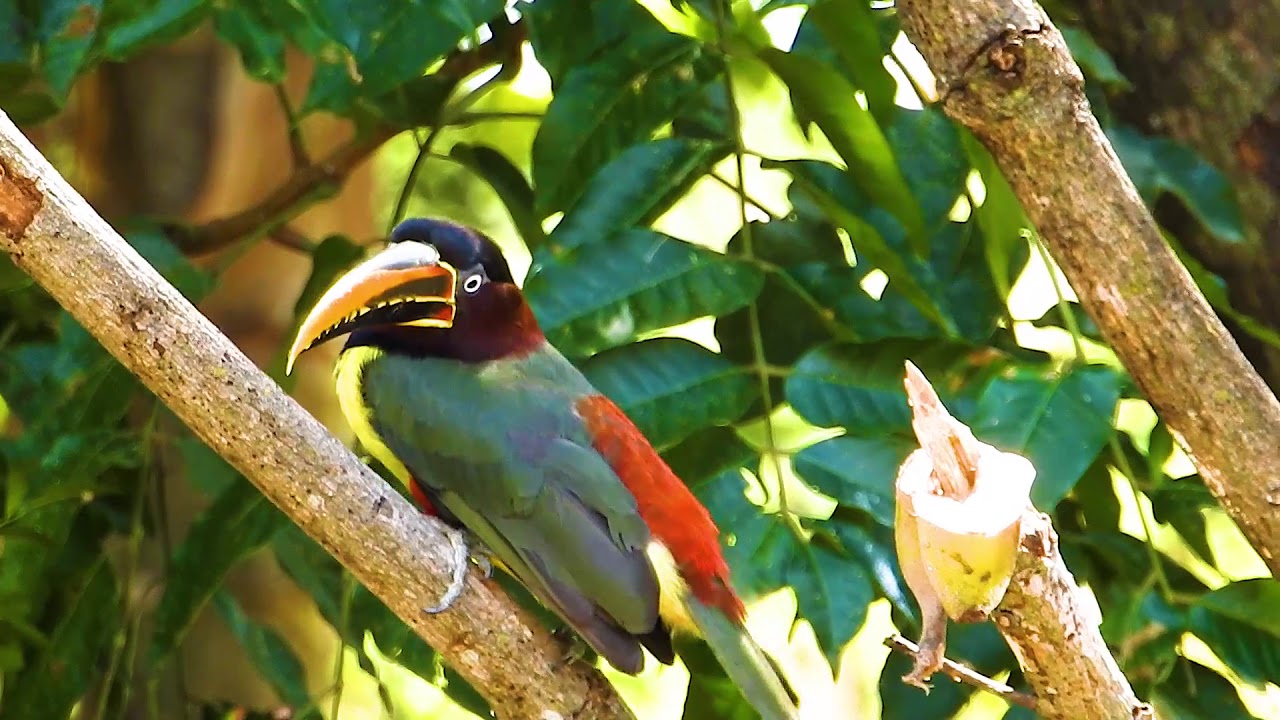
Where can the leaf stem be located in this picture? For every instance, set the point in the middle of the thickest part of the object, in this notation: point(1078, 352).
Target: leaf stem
point(759, 361)
point(741, 191)
point(297, 148)
point(1113, 443)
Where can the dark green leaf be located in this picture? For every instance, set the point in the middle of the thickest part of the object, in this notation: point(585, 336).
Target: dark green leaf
point(635, 188)
point(867, 225)
point(819, 92)
point(510, 185)
point(1215, 291)
point(843, 34)
point(1159, 165)
point(151, 22)
point(607, 294)
point(1252, 602)
point(858, 472)
point(1065, 316)
point(67, 29)
point(268, 652)
point(758, 546)
point(671, 387)
point(239, 522)
point(708, 454)
point(156, 248)
point(1181, 503)
point(565, 34)
point(1058, 421)
point(710, 694)
point(332, 257)
point(859, 386)
point(605, 106)
point(249, 28)
point(315, 571)
point(873, 546)
point(379, 46)
point(1252, 652)
point(1194, 692)
point(1096, 62)
point(1001, 217)
point(832, 592)
point(78, 646)
point(931, 155)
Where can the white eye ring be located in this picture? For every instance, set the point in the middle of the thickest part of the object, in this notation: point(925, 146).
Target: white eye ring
point(472, 284)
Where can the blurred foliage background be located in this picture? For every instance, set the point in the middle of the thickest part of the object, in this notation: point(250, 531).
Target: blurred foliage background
point(739, 219)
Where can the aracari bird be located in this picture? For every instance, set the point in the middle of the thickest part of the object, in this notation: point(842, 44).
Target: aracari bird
point(448, 381)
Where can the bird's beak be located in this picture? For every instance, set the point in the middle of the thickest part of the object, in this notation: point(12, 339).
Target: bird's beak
point(405, 284)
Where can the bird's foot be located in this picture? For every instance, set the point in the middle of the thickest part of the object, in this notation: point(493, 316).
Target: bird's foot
point(464, 549)
point(578, 650)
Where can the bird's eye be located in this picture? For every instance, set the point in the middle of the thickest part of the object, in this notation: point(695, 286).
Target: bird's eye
point(472, 284)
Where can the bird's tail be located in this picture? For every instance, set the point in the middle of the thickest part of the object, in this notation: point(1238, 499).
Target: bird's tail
point(744, 662)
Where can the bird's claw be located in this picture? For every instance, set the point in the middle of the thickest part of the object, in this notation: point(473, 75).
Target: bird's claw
point(462, 552)
point(578, 650)
point(458, 540)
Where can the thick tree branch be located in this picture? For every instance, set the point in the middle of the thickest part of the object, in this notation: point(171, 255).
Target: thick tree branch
point(1004, 71)
point(54, 235)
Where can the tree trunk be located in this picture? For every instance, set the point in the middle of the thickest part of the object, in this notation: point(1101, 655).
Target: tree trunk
point(1208, 74)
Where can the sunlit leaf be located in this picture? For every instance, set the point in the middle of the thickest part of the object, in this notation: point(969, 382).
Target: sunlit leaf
point(609, 104)
point(1194, 692)
point(823, 95)
point(635, 188)
point(858, 472)
point(1248, 646)
point(1059, 421)
point(606, 294)
point(843, 34)
point(671, 387)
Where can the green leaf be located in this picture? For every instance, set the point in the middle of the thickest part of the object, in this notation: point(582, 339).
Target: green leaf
point(67, 30)
point(151, 22)
point(634, 188)
point(332, 257)
point(1001, 217)
point(156, 248)
point(1251, 651)
point(858, 472)
point(867, 225)
point(843, 34)
point(757, 545)
point(832, 592)
point(72, 659)
point(566, 34)
point(1093, 60)
point(1064, 315)
point(609, 104)
point(607, 294)
point(1252, 602)
point(510, 185)
point(249, 27)
point(1159, 165)
point(271, 657)
point(1215, 291)
point(873, 546)
point(707, 454)
point(1194, 692)
point(710, 694)
point(1058, 421)
point(818, 91)
point(1181, 503)
point(859, 386)
point(239, 522)
point(671, 387)
point(379, 46)
point(928, 148)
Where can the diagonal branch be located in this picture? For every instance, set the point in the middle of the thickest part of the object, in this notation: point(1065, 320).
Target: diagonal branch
point(50, 232)
point(1005, 72)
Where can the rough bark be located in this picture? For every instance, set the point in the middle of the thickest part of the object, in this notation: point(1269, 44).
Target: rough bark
point(1005, 72)
point(402, 557)
point(1208, 74)
point(1053, 629)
